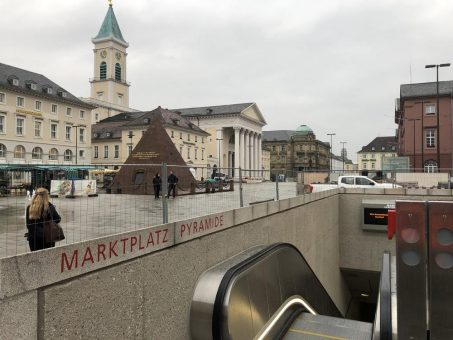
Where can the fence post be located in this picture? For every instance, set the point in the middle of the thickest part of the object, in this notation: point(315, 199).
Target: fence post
point(241, 198)
point(164, 193)
point(276, 187)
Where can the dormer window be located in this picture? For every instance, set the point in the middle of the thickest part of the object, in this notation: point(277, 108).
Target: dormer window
point(33, 87)
point(62, 93)
point(146, 121)
point(383, 148)
point(15, 82)
point(108, 134)
point(95, 135)
point(373, 148)
point(175, 121)
point(47, 89)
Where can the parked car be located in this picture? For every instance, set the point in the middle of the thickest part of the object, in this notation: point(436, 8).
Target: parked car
point(351, 181)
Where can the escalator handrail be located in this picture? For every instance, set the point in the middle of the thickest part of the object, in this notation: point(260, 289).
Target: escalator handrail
point(291, 302)
point(385, 299)
point(217, 315)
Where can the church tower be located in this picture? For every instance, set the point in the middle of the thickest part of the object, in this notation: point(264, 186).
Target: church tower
point(109, 82)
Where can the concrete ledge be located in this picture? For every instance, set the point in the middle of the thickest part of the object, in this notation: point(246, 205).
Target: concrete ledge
point(259, 210)
point(395, 191)
point(284, 204)
point(308, 198)
point(273, 207)
point(375, 191)
point(354, 191)
point(410, 191)
point(296, 201)
point(19, 316)
point(439, 192)
point(242, 215)
point(42, 268)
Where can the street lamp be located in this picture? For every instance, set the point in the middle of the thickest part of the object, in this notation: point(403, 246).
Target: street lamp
point(414, 120)
point(330, 164)
point(76, 139)
point(342, 153)
point(437, 107)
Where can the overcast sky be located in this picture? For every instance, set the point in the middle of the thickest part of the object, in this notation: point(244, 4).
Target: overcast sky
point(334, 65)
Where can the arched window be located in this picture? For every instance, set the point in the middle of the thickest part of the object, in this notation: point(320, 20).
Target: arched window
point(2, 151)
point(68, 155)
point(117, 72)
point(431, 166)
point(103, 70)
point(36, 153)
point(19, 152)
point(53, 154)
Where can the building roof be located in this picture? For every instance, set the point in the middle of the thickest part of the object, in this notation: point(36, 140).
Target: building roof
point(381, 144)
point(35, 84)
point(214, 110)
point(426, 89)
point(277, 135)
point(110, 30)
point(110, 128)
point(303, 130)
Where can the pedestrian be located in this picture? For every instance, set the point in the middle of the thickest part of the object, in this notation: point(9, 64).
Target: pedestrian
point(40, 210)
point(172, 181)
point(157, 182)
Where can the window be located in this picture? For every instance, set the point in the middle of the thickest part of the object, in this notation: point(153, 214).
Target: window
point(273, 147)
point(96, 117)
point(53, 154)
point(196, 153)
point(36, 153)
point(363, 181)
point(129, 149)
point(172, 134)
point(82, 114)
point(19, 151)
point(82, 153)
point(96, 152)
point(196, 139)
point(54, 108)
point(20, 102)
point(364, 165)
point(68, 132)
point(68, 111)
point(103, 70)
point(430, 166)
point(372, 165)
point(20, 122)
point(82, 135)
point(202, 154)
point(117, 151)
point(430, 137)
point(430, 109)
point(38, 105)
point(106, 151)
point(2, 151)
point(2, 124)
point(139, 177)
point(38, 127)
point(68, 155)
point(180, 135)
point(283, 148)
point(188, 152)
point(188, 137)
point(117, 72)
point(348, 180)
point(202, 139)
point(2, 98)
point(53, 130)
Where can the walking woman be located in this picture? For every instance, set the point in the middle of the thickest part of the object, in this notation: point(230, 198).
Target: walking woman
point(40, 210)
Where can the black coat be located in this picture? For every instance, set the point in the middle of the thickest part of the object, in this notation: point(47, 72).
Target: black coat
point(157, 181)
point(36, 227)
point(172, 179)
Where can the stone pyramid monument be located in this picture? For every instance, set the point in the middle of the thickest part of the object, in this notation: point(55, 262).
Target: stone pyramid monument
point(155, 147)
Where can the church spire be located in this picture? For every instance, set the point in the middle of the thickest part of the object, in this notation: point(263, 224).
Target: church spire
point(110, 30)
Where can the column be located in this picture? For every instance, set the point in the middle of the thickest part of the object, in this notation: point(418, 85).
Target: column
point(253, 154)
point(257, 166)
point(242, 148)
point(250, 152)
point(237, 132)
point(246, 149)
point(260, 155)
point(219, 147)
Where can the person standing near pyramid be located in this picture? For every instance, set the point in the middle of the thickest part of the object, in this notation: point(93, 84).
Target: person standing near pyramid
point(172, 181)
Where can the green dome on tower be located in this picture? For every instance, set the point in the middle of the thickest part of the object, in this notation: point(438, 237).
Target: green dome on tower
point(303, 130)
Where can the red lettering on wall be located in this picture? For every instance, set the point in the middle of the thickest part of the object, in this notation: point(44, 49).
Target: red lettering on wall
point(88, 256)
point(158, 234)
point(140, 247)
point(182, 229)
point(221, 220)
point(124, 240)
point(74, 260)
point(101, 249)
point(165, 236)
point(150, 239)
point(112, 249)
point(133, 242)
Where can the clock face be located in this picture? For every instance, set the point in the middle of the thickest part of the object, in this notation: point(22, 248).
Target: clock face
point(118, 55)
point(103, 53)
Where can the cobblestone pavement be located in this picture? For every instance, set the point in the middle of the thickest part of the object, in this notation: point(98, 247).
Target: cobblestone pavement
point(85, 218)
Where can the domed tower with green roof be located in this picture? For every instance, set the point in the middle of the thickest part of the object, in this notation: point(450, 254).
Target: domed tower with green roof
point(109, 82)
point(304, 132)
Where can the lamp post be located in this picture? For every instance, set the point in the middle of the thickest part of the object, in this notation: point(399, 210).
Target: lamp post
point(414, 120)
point(76, 140)
point(437, 107)
point(330, 164)
point(342, 153)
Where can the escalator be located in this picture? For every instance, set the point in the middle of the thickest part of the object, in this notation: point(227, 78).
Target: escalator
point(270, 292)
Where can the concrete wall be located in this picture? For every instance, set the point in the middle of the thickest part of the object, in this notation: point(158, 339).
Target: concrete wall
point(361, 249)
point(140, 284)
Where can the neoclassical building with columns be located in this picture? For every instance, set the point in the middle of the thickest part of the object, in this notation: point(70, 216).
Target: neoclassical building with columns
point(235, 136)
